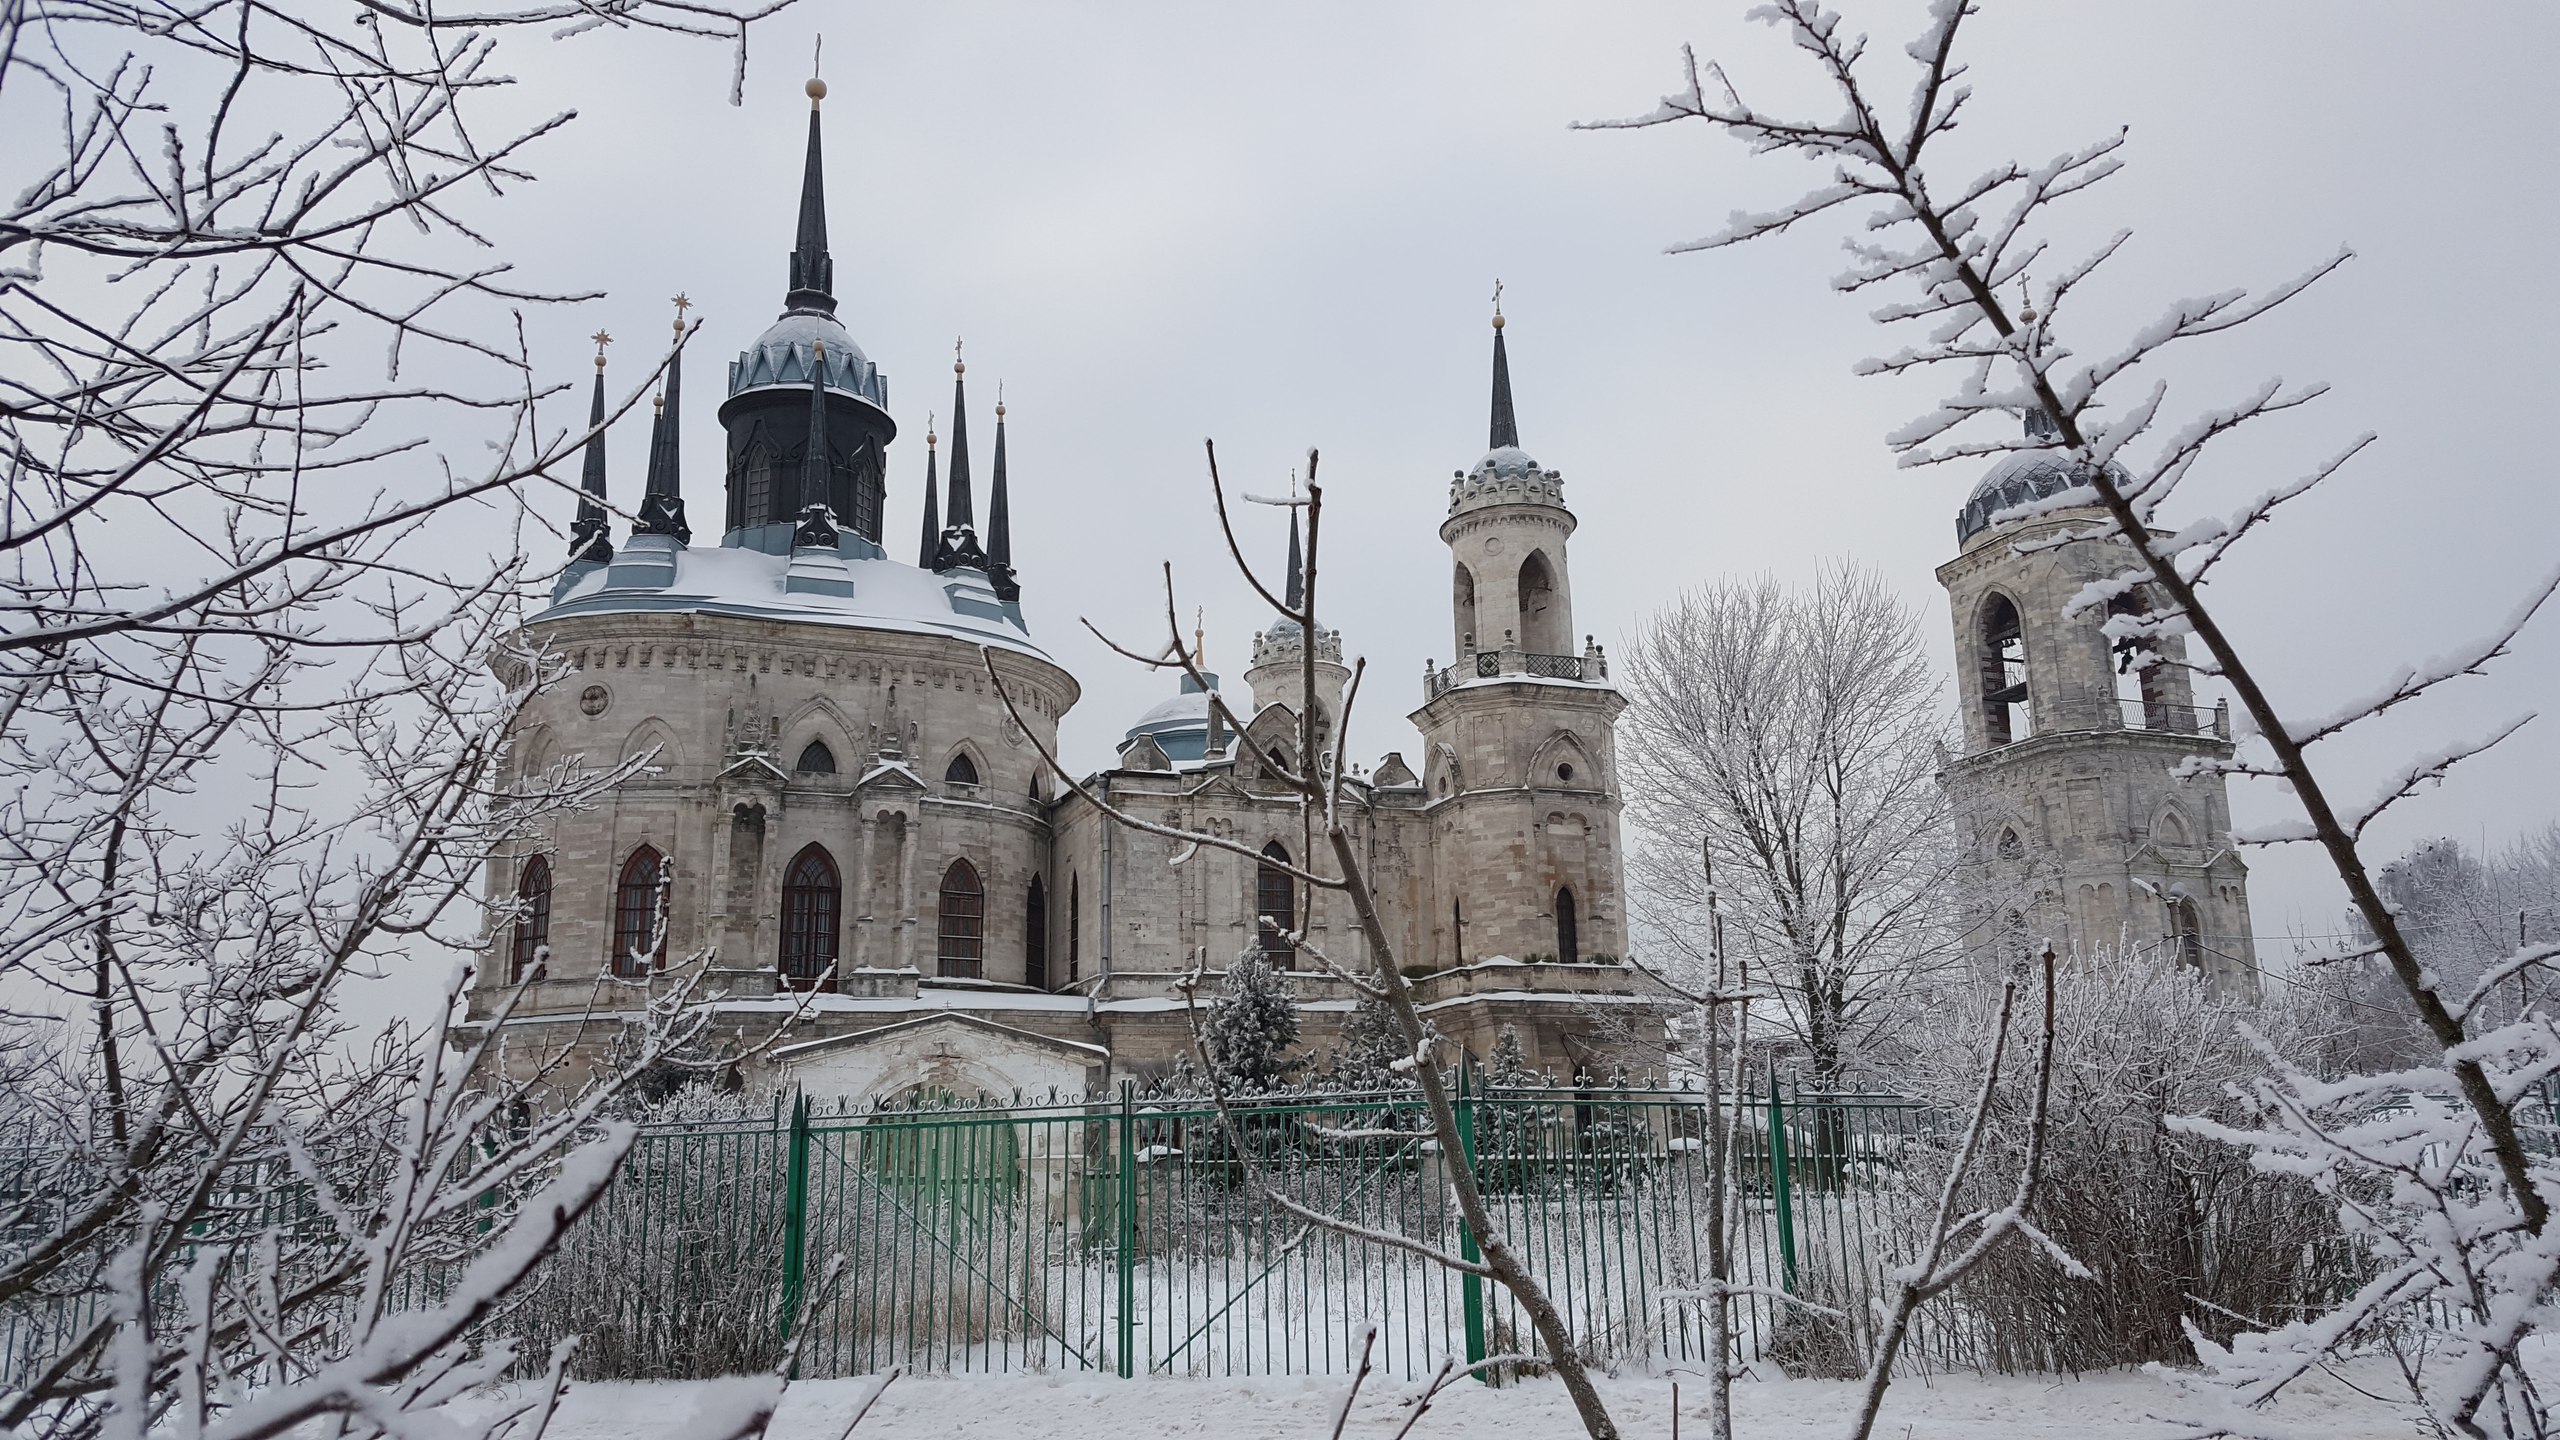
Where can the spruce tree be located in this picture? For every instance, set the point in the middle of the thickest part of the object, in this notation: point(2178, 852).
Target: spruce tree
point(1372, 1043)
point(1252, 1024)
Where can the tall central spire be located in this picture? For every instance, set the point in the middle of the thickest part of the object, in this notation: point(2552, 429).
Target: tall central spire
point(813, 271)
point(1506, 425)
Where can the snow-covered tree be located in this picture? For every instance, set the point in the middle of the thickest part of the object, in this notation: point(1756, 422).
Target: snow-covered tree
point(2428, 1166)
point(1794, 736)
point(1365, 1056)
point(277, 459)
point(1252, 1026)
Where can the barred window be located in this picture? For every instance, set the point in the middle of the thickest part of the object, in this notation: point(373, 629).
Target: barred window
point(961, 935)
point(533, 918)
point(635, 915)
point(812, 899)
point(1275, 899)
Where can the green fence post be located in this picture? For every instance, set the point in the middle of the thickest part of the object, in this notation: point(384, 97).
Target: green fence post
point(1128, 1246)
point(1782, 1185)
point(1470, 1286)
point(795, 1213)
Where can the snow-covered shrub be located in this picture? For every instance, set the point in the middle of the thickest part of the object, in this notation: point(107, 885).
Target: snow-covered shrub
point(2175, 1229)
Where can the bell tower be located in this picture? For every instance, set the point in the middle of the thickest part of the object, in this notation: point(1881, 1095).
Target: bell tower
point(1520, 735)
point(2078, 721)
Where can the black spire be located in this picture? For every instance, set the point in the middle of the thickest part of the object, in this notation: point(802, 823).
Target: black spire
point(932, 504)
point(817, 523)
point(1506, 426)
point(813, 271)
point(1000, 519)
point(959, 548)
point(1296, 594)
point(961, 516)
point(587, 538)
point(662, 503)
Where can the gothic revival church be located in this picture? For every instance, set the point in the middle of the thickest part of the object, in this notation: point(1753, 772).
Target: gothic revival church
point(838, 801)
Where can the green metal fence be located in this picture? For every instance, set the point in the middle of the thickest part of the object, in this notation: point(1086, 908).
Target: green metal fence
point(1121, 1236)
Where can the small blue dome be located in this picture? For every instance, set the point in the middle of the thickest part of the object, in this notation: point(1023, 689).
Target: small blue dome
point(2021, 478)
point(1179, 726)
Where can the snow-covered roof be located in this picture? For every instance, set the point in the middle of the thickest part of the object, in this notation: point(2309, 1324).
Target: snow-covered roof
point(724, 580)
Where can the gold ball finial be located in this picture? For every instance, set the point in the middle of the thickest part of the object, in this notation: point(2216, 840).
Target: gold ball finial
point(1497, 319)
point(929, 436)
point(602, 340)
point(816, 90)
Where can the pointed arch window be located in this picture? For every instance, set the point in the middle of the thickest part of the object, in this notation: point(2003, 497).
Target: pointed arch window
point(960, 946)
point(2186, 933)
point(1568, 928)
point(2001, 661)
point(1075, 927)
point(1035, 936)
point(1275, 905)
point(2010, 846)
point(639, 928)
point(815, 759)
point(961, 771)
point(1541, 627)
point(533, 919)
point(812, 904)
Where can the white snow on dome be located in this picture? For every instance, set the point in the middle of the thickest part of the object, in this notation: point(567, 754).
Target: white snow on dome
point(1189, 708)
point(1506, 461)
point(887, 595)
point(787, 350)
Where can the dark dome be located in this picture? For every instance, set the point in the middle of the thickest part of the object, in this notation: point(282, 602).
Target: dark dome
point(2021, 477)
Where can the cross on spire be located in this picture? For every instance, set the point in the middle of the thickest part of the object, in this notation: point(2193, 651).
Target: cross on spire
point(602, 340)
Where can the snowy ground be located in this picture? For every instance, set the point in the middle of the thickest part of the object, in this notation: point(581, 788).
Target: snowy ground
point(2105, 1406)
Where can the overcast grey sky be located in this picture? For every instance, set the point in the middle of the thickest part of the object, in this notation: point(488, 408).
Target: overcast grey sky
point(1279, 225)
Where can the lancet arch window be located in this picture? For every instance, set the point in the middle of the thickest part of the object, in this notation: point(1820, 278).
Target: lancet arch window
point(2186, 933)
point(960, 926)
point(1541, 628)
point(1568, 928)
point(639, 930)
point(812, 909)
point(961, 771)
point(2141, 681)
point(2001, 660)
point(1035, 935)
point(1275, 905)
point(533, 918)
point(815, 759)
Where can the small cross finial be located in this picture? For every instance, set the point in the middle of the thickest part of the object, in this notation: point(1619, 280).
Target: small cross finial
point(928, 430)
point(815, 89)
point(958, 366)
point(1200, 636)
point(1497, 304)
point(602, 340)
